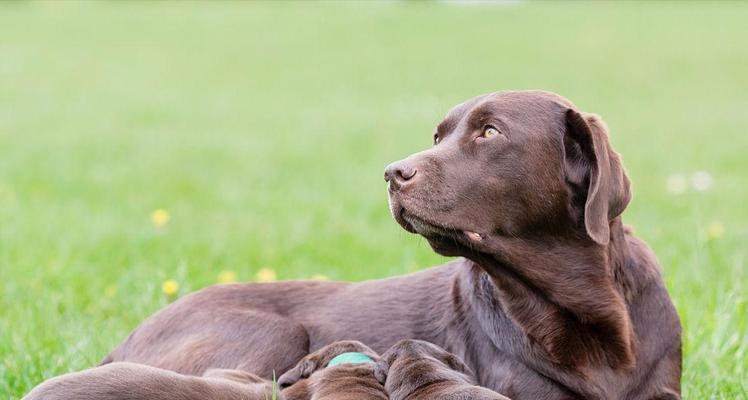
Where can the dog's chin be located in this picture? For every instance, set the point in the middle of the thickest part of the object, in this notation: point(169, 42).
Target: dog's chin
point(448, 247)
point(426, 228)
point(444, 241)
point(398, 212)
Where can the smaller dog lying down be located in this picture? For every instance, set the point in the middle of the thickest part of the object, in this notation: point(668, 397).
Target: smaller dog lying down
point(418, 370)
point(340, 371)
point(129, 381)
point(345, 370)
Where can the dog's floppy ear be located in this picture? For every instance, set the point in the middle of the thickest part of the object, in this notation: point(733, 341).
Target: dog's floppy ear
point(321, 358)
point(588, 155)
point(381, 369)
point(302, 370)
point(456, 364)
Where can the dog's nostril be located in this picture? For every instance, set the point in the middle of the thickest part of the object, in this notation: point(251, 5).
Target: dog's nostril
point(397, 174)
point(407, 173)
point(391, 172)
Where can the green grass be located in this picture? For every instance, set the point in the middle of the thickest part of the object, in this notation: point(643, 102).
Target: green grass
point(264, 130)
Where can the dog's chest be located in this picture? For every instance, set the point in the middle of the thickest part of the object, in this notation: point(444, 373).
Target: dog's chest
point(496, 350)
point(501, 370)
point(516, 381)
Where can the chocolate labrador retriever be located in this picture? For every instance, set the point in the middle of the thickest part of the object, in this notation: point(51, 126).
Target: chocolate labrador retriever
point(554, 299)
point(128, 381)
point(313, 378)
point(418, 370)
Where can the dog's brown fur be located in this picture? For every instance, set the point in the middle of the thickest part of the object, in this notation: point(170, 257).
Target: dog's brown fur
point(555, 298)
point(308, 380)
point(418, 370)
point(311, 376)
point(128, 381)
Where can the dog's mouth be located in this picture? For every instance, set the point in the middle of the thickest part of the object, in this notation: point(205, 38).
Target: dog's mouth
point(432, 231)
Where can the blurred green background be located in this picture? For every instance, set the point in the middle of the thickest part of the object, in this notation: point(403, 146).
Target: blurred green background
point(161, 147)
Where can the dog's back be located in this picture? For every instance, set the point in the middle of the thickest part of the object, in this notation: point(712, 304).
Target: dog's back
point(129, 381)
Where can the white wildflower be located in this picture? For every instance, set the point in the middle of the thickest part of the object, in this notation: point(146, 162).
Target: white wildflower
point(701, 181)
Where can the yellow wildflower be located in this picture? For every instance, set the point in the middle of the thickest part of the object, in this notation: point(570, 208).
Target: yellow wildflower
point(265, 275)
point(716, 230)
point(160, 217)
point(110, 291)
point(319, 277)
point(170, 287)
point(226, 277)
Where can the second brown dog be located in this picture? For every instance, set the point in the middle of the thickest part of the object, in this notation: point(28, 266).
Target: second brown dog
point(418, 370)
point(310, 379)
point(313, 379)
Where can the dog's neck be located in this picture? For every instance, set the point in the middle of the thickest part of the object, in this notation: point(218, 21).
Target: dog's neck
point(568, 294)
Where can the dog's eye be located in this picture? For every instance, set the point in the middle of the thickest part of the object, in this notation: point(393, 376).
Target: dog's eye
point(490, 131)
point(436, 138)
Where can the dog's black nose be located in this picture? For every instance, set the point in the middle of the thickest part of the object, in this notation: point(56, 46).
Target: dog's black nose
point(398, 173)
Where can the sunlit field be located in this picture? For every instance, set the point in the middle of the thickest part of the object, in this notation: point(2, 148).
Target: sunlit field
point(148, 150)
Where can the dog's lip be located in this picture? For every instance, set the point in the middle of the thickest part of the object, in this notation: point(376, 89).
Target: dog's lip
point(421, 225)
point(416, 224)
point(403, 221)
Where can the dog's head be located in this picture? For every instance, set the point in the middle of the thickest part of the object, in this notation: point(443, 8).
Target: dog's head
point(517, 164)
point(320, 359)
point(410, 365)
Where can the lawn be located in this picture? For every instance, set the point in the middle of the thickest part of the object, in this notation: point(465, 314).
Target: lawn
point(187, 143)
